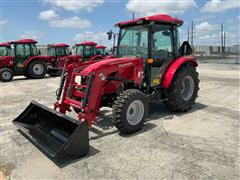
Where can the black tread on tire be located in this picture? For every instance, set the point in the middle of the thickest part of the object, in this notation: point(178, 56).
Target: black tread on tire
point(120, 107)
point(4, 79)
point(31, 74)
point(175, 101)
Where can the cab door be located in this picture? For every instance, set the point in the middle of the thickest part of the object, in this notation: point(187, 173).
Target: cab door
point(22, 53)
point(162, 51)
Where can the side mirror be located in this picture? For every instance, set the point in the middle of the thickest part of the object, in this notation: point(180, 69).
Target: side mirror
point(39, 52)
point(110, 34)
point(185, 49)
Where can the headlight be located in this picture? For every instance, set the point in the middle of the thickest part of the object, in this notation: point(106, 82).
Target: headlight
point(78, 79)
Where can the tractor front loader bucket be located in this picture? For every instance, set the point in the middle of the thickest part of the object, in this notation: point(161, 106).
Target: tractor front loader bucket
point(56, 134)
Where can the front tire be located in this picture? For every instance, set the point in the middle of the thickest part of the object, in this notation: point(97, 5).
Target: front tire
point(130, 111)
point(6, 75)
point(183, 90)
point(36, 69)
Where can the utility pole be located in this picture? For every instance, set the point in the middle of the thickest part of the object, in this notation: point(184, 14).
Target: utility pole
point(192, 34)
point(133, 16)
point(224, 42)
point(188, 34)
point(222, 38)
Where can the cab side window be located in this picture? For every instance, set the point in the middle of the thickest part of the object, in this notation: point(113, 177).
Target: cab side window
point(27, 50)
point(162, 44)
point(19, 50)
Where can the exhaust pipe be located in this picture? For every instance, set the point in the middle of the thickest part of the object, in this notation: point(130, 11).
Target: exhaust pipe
point(57, 135)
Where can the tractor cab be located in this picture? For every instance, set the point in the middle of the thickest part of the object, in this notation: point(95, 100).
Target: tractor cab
point(58, 50)
point(5, 49)
point(153, 38)
point(60, 53)
point(101, 50)
point(86, 49)
point(23, 50)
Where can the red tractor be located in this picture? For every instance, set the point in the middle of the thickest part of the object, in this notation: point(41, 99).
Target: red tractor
point(101, 50)
point(24, 61)
point(88, 51)
point(59, 54)
point(153, 67)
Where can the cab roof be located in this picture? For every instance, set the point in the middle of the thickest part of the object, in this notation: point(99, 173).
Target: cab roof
point(88, 43)
point(59, 45)
point(100, 47)
point(161, 18)
point(23, 41)
point(6, 44)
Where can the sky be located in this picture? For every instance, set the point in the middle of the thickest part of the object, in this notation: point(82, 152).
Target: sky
point(74, 21)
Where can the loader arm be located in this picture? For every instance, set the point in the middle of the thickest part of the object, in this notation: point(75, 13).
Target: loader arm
point(97, 78)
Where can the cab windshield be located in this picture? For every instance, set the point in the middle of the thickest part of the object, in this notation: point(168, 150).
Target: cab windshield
point(86, 51)
point(101, 51)
point(4, 51)
point(133, 41)
point(58, 51)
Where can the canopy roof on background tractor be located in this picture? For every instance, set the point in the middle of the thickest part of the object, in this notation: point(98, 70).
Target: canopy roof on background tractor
point(88, 43)
point(6, 44)
point(24, 41)
point(59, 45)
point(100, 47)
point(161, 18)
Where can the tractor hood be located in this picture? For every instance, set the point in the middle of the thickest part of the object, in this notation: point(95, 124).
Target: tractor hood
point(6, 61)
point(123, 62)
point(6, 58)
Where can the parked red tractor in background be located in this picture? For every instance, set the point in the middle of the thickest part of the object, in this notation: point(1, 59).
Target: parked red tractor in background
point(5, 49)
point(24, 61)
point(88, 51)
point(152, 67)
point(101, 50)
point(60, 55)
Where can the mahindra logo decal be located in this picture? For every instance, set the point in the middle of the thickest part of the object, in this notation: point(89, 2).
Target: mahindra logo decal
point(126, 64)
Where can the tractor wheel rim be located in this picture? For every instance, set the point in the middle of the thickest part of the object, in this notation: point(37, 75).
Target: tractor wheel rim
point(38, 69)
point(135, 112)
point(6, 75)
point(187, 88)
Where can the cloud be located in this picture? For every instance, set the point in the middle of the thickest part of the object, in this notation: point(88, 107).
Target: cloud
point(90, 36)
point(54, 20)
point(48, 15)
point(75, 5)
point(71, 22)
point(206, 27)
point(32, 35)
point(3, 23)
point(150, 7)
point(215, 6)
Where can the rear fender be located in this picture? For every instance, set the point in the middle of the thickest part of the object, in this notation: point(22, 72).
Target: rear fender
point(174, 66)
point(41, 58)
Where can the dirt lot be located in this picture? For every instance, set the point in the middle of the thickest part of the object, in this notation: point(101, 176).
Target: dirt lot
point(200, 144)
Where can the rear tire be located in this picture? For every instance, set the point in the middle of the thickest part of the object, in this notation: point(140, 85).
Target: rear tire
point(130, 111)
point(6, 74)
point(36, 69)
point(183, 90)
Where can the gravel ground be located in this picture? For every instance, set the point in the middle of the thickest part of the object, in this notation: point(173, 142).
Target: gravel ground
point(200, 144)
